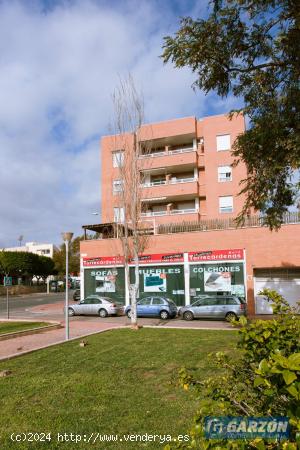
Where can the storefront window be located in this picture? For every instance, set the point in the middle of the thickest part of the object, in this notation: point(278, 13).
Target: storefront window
point(167, 281)
point(108, 282)
point(220, 278)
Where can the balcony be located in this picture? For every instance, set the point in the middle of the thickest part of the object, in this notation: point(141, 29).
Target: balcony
point(178, 187)
point(178, 157)
point(171, 216)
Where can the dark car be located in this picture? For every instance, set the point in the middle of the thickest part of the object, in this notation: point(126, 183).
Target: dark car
point(76, 295)
point(154, 306)
point(218, 307)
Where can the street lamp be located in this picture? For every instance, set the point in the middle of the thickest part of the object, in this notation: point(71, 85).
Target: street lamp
point(67, 236)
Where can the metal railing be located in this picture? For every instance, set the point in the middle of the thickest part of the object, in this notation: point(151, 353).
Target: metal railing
point(171, 212)
point(196, 226)
point(184, 211)
point(172, 181)
point(181, 150)
point(166, 153)
point(154, 183)
point(221, 224)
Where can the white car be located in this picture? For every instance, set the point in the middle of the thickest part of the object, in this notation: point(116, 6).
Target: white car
point(96, 305)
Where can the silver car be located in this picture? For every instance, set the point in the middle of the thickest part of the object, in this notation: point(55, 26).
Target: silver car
point(217, 307)
point(96, 305)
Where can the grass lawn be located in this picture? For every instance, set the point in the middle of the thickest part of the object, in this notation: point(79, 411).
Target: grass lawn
point(13, 327)
point(122, 382)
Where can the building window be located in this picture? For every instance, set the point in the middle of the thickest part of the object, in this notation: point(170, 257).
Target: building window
point(119, 215)
point(117, 186)
point(224, 173)
point(226, 204)
point(118, 158)
point(223, 142)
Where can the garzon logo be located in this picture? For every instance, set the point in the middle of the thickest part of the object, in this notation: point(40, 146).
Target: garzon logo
point(229, 427)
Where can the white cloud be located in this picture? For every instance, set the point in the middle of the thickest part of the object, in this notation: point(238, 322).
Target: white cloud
point(58, 70)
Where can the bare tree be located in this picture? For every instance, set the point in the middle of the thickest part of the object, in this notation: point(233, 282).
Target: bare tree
point(129, 116)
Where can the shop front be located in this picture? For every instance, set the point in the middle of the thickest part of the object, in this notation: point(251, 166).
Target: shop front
point(178, 276)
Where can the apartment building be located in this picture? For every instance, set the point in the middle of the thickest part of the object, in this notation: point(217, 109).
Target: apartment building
point(33, 247)
point(185, 169)
point(189, 196)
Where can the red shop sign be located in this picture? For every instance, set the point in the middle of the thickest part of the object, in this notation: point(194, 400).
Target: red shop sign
point(216, 255)
point(160, 258)
point(103, 261)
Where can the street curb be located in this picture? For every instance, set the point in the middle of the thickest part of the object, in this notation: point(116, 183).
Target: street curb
point(166, 327)
point(16, 319)
point(15, 334)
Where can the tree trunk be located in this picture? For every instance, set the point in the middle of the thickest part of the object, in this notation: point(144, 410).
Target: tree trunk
point(135, 291)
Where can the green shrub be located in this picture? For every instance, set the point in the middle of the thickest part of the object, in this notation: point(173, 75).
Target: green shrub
point(263, 381)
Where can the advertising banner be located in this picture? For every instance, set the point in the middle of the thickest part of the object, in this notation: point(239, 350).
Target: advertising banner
point(214, 278)
point(165, 281)
point(217, 281)
point(108, 282)
point(216, 255)
point(210, 255)
point(161, 258)
point(103, 261)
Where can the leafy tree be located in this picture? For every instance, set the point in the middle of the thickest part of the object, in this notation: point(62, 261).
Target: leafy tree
point(44, 267)
point(250, 49)
point(263, 380)
point(59, 257)
point(25, 264)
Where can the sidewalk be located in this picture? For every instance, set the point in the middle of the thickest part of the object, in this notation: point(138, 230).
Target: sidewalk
point(23, 344)
point(80, 328)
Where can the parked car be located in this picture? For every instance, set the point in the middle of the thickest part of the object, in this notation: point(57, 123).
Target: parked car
point(218, 307)
point(154, 307)
point(96, 305)
point(76, 295)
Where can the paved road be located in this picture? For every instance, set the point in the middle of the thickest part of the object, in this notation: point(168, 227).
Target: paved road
point(20, 306)
point(51, 307)
point(43, 307)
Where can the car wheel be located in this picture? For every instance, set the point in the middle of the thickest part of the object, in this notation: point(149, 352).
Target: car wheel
point(230, 316)
point(188, 315)
point(129, 314)
point(102, 313)
point(164, 315)
point(71, 312)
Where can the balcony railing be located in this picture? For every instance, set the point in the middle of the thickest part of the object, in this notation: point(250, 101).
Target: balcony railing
point(115, 230)
point(174, 181)
point(183, 211)
point(222, 224)
point(181, 150)
point(171, 212)
point(170, 152)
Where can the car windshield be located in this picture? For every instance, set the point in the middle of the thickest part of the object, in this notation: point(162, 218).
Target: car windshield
point(107, 299)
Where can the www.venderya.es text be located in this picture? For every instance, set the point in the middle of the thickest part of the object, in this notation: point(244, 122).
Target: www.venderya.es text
point(96, 437)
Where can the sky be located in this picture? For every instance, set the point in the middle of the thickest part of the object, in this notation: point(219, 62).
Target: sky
point(60, 61)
